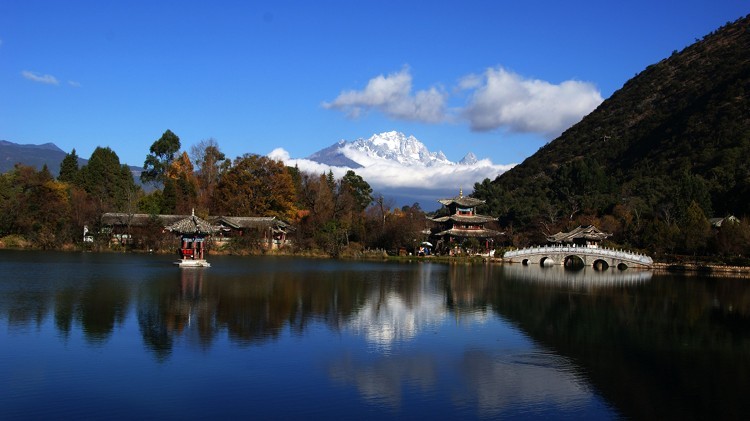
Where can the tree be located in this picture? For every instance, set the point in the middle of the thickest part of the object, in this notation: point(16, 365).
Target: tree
point(107, 181)
point(34, 205)
point(180, 187)
point(359, 189)
point(162, 153)
point(256, 186)
point(696, 228)
point(69, 168)
point(210, 165)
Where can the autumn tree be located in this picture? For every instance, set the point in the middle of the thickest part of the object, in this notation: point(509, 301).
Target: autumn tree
point(180, 187)
point(161, 154)
point(35, 206)
point(256, 186)
point(210, 163)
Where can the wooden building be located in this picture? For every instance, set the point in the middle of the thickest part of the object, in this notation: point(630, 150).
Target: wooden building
point(193, 232)
point(269, 232)
point(134, 229)
point(462, 223)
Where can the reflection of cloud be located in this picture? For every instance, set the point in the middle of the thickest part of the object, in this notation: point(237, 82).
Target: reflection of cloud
point(387, 317)
point(493, 384)
point(387, 175)
point(531, 380)
point(382, 381)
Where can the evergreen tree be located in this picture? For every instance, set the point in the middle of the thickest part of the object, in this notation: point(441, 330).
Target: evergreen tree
point(69, 168)
point(108, 182)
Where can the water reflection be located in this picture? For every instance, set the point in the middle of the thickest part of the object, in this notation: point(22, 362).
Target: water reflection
point(586, 277)
point(482, 340)
point(389, 316)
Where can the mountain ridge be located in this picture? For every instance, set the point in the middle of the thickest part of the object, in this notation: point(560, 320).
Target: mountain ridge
point(678, 132)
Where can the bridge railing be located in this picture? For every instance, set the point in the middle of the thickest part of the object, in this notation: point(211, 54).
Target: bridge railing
point(589, 251)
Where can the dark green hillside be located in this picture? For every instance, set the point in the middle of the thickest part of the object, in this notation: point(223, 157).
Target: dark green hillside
point(676, 135)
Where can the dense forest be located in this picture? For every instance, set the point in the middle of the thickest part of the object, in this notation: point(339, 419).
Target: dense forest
point(652, 165)
point(330, 216)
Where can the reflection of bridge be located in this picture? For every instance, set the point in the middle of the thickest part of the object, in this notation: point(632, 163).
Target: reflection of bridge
point(599, 258)
point(584, 278)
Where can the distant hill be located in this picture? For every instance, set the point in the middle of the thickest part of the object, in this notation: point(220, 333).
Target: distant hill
point(38, 155)
point(676, 133)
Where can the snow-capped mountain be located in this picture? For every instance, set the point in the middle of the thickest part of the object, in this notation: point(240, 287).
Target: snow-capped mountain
point(389, 146)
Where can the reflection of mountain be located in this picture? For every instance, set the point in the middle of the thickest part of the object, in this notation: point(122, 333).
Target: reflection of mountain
point(643, 342)
point(388, 316)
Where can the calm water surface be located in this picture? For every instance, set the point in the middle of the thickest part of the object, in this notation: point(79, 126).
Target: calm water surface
point(131, 336)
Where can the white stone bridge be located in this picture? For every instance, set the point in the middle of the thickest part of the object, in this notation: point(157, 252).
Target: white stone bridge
point(570, 256)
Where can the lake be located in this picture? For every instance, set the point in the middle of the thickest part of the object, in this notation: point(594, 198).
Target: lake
point(124, 336)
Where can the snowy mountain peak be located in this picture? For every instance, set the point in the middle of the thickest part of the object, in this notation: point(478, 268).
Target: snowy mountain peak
point(392, 146)
point(469, 159)
point(395, 146)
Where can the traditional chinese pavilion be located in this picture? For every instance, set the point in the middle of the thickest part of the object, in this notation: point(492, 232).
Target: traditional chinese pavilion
point(463, 222)
point(193, 232)
point(588, 236)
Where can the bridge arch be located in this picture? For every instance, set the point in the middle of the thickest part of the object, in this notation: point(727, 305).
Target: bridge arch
point(573, 262)
point(546, 261)
point(525, 262)
point(600, 264)
point(622, 266)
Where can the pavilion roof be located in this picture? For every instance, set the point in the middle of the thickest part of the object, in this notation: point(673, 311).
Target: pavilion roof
point(192, 225)
point(588, 232)
point(475, 233)
point(479, 219)
point(237, 222)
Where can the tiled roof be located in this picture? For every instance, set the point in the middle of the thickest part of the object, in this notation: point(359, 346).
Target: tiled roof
point(588, 232)
point(192, 225)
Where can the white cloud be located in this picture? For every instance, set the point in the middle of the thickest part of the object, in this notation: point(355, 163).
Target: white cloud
point(506, 100)
point(498, 99)
point(47, 79)
point(74, 84)
point(393, 96)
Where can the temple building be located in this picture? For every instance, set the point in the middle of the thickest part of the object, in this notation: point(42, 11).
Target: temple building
point(462, 223)
point(193, 232)
point(588, 236)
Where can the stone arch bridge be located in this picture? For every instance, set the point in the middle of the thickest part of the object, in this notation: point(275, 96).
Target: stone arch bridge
point(570, 256)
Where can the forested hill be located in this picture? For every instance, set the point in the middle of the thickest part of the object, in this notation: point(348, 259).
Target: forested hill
point(676, 133)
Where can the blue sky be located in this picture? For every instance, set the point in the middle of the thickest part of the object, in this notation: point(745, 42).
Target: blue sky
point(301, 75)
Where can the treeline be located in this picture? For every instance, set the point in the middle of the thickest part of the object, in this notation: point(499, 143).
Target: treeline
point(329, 215)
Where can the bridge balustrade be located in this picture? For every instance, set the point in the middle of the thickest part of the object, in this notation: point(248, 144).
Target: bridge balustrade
point(588, 251)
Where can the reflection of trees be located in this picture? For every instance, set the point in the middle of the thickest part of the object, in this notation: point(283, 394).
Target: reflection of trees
point(662, 349)
point(102, 304)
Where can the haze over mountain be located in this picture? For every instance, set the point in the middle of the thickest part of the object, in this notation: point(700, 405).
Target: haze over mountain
point(399, 167)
